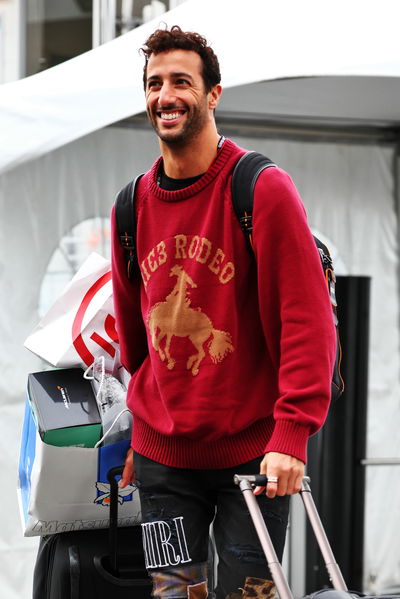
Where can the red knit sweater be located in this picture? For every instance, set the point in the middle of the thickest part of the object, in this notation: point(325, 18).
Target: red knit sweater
point(231, 354)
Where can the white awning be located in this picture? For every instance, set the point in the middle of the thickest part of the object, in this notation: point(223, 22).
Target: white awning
point(256, 41)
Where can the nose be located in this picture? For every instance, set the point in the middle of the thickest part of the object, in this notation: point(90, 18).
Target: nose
point(167, 95)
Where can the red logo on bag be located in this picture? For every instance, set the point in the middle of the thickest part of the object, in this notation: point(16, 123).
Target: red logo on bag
point(109, 325)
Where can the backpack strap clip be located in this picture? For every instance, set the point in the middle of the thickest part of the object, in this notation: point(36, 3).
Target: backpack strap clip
point(246, 223)
point(127, 242)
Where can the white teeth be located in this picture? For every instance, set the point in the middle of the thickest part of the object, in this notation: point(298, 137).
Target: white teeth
point(170, 116)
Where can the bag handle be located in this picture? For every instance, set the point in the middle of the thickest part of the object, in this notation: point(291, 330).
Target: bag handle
point(100, 441)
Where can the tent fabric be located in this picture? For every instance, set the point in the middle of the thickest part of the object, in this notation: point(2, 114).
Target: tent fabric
point(333, 100)
point(255, 41)
point(348, 194)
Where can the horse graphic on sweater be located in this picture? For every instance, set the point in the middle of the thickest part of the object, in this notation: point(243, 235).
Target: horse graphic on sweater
point(176, 317)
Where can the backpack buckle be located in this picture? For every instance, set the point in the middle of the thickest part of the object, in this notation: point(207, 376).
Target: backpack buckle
point(246, 223)
point(127, 241)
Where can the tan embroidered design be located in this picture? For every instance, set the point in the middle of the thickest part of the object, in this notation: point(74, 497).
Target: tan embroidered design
point(175, 317)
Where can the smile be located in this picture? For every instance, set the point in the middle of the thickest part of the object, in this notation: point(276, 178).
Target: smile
point(170, 116)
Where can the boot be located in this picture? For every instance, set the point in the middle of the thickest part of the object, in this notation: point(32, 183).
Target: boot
point(197, 591)
point(255, 588)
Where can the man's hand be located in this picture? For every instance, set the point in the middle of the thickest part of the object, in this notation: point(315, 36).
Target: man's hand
point(288, 470)
point(128, 474)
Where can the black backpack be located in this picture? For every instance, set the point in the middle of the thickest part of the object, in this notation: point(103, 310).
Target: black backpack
point(244, 178)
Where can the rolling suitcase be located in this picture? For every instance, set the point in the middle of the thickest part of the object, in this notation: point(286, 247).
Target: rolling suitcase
point(97, 563)
point(246, 484)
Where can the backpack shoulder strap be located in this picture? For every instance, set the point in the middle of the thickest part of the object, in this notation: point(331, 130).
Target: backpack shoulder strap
point(244, 178)
point(125, 216)
point(245, 175)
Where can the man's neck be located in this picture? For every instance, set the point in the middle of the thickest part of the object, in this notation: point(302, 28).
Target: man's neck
point(192, 159)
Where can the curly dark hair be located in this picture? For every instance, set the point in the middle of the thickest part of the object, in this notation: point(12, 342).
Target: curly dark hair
point(163, 40)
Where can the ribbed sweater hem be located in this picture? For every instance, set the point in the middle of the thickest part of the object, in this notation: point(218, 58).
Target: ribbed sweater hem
point(180, 452)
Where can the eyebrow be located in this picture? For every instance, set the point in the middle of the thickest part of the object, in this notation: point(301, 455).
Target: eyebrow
point(173, 75)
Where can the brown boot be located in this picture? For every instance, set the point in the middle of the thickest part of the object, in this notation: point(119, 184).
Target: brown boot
point(197, 591)
point(257, 588)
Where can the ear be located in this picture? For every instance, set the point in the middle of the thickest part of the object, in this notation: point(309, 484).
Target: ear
point(213, 96)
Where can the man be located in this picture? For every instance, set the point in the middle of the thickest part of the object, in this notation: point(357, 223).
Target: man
point(231, 354)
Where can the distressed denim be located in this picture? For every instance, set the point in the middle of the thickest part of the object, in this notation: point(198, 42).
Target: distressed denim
point(178, 506)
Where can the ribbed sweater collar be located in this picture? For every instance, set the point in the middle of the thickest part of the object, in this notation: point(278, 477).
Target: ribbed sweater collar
point(227, 150)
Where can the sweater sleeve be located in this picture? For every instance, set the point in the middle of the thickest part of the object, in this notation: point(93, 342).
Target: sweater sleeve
point(127, 306)
point(295, 311)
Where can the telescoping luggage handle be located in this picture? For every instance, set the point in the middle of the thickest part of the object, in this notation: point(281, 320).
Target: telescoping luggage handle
point(113, 531)
point(246, 484)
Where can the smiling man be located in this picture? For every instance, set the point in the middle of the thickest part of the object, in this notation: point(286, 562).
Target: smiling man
point(221, 343)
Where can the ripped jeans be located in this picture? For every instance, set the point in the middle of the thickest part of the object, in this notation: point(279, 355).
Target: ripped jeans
point(178, 506)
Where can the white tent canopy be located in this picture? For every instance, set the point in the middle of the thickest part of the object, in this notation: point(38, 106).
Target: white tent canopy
point(255, 41)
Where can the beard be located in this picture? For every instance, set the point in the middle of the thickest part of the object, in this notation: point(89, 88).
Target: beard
point(195, 121)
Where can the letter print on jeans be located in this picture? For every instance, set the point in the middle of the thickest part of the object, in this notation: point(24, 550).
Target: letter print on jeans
point(164, 543)
point(175, 317)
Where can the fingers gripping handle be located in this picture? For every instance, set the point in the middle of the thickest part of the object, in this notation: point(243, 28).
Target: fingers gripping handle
point(256, 480)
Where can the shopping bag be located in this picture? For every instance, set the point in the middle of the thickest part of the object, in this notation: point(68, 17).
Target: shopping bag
point(80, 325)
point(66, 488)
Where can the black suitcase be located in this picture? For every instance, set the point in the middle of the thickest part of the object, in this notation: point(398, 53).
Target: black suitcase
point(339, 590)
point(93, 564)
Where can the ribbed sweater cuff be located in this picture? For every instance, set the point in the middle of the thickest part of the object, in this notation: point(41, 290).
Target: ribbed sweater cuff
point(290, 438)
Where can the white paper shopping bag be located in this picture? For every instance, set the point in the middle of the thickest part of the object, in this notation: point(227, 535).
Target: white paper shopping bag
point(66, 488)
